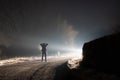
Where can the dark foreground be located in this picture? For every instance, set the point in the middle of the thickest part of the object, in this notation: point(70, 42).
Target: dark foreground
point(53, 70)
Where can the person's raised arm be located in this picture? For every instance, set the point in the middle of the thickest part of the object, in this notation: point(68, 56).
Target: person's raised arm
point(41, 44)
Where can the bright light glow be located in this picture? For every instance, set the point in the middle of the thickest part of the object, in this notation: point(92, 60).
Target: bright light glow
point(70, 51)
point(76, 57)
point(74, 53)
point(39, 47)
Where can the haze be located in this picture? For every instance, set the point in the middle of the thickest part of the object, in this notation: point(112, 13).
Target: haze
point(63, 24)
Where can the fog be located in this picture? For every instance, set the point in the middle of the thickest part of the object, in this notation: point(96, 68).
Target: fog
point(64, 25)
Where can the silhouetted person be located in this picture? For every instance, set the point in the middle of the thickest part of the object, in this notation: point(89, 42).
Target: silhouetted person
point(44, 45)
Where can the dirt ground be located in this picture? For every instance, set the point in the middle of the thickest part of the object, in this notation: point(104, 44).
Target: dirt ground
point(54, 69)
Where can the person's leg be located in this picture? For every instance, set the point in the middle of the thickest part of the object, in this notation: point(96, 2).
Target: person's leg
point(45, 57)
point(42, 56)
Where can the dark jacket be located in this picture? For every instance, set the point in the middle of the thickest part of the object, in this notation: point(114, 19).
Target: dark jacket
point(44, 45)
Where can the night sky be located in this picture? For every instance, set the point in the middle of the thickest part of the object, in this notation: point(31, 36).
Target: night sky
point(60, 23)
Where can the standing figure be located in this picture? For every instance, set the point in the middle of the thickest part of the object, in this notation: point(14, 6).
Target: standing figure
point(44, 45)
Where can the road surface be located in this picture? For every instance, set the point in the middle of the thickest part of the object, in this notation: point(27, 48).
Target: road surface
point(36, 70)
